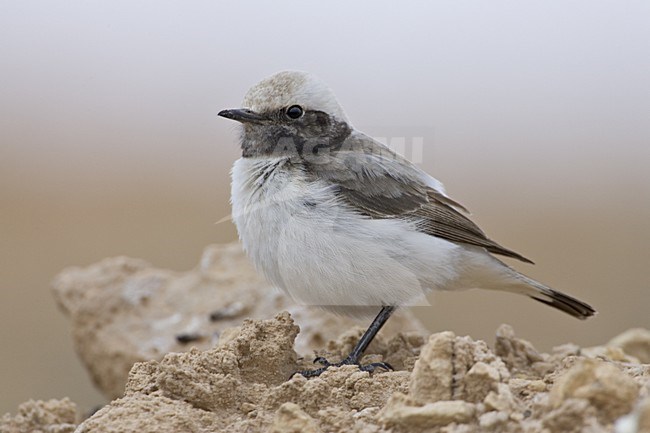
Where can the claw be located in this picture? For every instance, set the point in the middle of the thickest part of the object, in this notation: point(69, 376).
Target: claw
point(311, 373)
point(372, 367)
point(347, 361)
point(322, 361)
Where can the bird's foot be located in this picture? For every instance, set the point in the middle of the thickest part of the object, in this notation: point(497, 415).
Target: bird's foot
point(347, 361)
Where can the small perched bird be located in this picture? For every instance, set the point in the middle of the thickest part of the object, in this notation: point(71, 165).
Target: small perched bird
point(338, 220)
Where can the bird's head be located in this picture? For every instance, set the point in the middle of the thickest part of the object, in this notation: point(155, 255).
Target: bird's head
point(290, 113)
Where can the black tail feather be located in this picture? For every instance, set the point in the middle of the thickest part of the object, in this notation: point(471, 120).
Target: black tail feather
point(565, 303)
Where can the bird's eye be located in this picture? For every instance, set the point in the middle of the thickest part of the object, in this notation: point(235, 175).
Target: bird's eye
point(294, 112)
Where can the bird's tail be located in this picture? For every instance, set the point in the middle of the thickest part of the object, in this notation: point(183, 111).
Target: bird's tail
point(555, 299)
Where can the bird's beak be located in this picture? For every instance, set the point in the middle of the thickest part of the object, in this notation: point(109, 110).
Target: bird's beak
point(243, 115)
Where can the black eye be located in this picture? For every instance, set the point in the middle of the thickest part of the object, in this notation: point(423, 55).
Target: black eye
point(294, 112)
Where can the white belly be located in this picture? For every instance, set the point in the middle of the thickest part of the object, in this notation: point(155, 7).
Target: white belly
point(321, 253)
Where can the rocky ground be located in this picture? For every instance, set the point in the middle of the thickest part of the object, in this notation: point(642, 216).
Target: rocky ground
point(175, 360)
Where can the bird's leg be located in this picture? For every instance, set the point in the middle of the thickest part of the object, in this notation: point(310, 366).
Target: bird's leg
point(355, 356)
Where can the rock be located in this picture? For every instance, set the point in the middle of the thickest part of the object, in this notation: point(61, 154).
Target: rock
point(643, 412)
point(636, 422)
point(519, 355)
point(291, 419)
point(571, 416)
point(480, 380)
point(503, 400)
point(400, 413)
point(634, 342)
point(455, 368)
point(526, 388)
point(261, 353)
point(150, 414)
point(602, 384)
point(493, 421)
point(52, 416)
point(207, 350)
point(608, 352)
point(125, 311)
point(433, 371)
point(243, 385)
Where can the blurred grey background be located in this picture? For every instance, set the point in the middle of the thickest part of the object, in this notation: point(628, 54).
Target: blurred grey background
point(536, 116)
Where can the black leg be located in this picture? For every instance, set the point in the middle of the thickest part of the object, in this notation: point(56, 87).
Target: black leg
point(355, 356)
point(369, 335)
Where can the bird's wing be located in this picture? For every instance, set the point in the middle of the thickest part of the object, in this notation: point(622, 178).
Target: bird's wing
point(380, 184)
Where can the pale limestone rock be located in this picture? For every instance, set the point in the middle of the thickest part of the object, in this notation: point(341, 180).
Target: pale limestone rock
point(571, 416)
point(602, 384)
point(236, 376)
point(519, 355)
point(493, 421)
point(634, 342)
point(52, 416)
point(241, 385)
point(643, 410)
point(638, 421)
point(291, 419)
point(400, 413)
point(502, 400)
point(608, 352)
point(432, 374)
point(125, 311)
point(151, 413)
point(455, 368)
point(480, 380)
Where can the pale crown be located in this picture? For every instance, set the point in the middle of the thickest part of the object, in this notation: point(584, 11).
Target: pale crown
point(289, 88)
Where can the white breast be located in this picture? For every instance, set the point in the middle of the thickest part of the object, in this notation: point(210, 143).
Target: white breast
point(263, 197)
point(321, 253)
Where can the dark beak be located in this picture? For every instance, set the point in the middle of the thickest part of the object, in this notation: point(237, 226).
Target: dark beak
point(243, 115)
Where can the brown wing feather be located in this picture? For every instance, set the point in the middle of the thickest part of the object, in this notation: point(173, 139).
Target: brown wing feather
point(443, 221)
point(435, 218)
point(380, 184)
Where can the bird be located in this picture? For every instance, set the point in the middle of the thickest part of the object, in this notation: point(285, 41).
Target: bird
point(338, 220)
